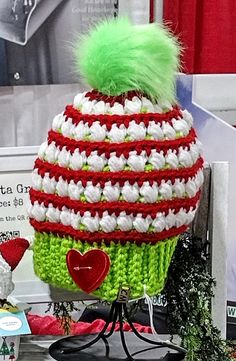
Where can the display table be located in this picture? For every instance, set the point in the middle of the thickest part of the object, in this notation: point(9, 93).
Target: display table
point(36, 349)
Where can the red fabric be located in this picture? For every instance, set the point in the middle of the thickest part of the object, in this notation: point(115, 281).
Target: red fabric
point(49, 325)
point(207, 31)
point(151, 11)
point(13, 251)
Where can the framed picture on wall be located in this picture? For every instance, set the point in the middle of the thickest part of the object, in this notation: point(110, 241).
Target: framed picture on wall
point(36, 38)
point(37, 73)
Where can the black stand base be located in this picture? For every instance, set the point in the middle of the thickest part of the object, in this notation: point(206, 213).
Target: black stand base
point(115, 352)
point(73, 349)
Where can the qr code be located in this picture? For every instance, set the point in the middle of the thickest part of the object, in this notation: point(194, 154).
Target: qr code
point(5, 236)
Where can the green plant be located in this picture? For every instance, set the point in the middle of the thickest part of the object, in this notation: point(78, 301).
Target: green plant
point(189, 291)
point(62, 311)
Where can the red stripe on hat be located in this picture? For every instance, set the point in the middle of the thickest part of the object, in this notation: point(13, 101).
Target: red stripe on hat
point(108, 120)
point(114, 207)
point(121, 148)
point(56, 171)
point(116, 236)
point(112, 99)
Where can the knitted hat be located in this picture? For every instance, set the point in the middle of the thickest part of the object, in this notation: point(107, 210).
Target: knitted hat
point(119, 177)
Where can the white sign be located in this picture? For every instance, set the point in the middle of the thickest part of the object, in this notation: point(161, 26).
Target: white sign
point(16, 165)
point(14, 200)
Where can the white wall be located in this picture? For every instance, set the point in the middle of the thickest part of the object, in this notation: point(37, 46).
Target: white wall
point(217, 93)
point(138, 10)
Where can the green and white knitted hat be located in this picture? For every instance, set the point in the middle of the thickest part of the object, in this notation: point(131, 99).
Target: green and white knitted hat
point(119, 177)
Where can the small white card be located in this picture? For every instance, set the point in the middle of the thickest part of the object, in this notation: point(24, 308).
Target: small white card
point(13, 322)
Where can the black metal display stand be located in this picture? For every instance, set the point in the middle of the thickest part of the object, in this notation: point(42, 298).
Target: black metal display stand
point(72, 348)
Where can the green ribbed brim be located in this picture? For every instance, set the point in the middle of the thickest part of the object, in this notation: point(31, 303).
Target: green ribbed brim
point(131, 264)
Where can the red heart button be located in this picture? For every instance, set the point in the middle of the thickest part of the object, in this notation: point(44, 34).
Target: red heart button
point(88, 270)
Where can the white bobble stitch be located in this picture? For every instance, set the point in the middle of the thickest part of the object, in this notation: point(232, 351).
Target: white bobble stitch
point(111, 193)
point(165, 190)
point(165, 105)
point(67, 128)
point(187, 117)
point(168, 131)
point(191, 188)
point(170, 220)
point(42, 150)
point(99, 108)
point(98, 133)
point(130, 192)
point(117, 109)
point(51, 153)
point(147, 105)
point(155, 131)
point(81, 131)
point(190, 216)
point(79, 99)
point(57, 122)
point(141, 224)
point(117, 134)
point(185, 158)
point(180, 125)
point(199, 145)
point(49, 184)
point(172, 159)
point(179, 188)
point(75, 220)
point(53, 214)
point(149, 193)
point(92, 193)
point(96, 163)
point(180, 218)
point(194, 151)
point(157, 160)
point(75, 190)
point(91, 223)
point(115, 163)
point(65, 217)
point(62, 187)
point(87, 106)
point(199, 178)
point(132, 106)
point(64, 158)
point(36, 180)
point(137, 162)
point(38, 212)
point(136, 131)
point(125, 222)
point(159, 223)
point(108, 223)
point(76, 160)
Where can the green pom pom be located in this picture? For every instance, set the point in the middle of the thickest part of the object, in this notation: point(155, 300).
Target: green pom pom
point(117, 57)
